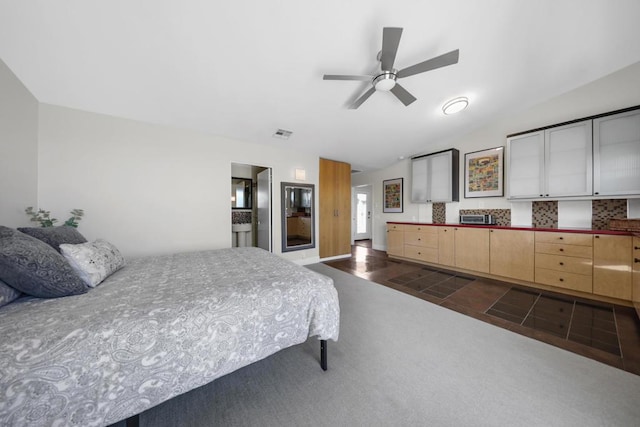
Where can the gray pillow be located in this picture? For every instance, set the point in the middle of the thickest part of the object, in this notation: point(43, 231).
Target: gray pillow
point(31, 266)
point(55, 236)
point(7, 294)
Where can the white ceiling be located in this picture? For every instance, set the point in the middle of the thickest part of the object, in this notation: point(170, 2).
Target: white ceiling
point(243, 69)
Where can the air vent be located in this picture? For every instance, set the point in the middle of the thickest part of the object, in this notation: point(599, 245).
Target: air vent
point(282, 134)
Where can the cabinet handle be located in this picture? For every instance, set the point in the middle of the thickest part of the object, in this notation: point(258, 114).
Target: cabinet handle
point(419, 239)
point(561, 238)
point(419, 253)
point(596, 193)
point(636, 260)
point(635, 247)
point(546, 195)
point(561, 250)
point(561, 279)
point(561, 263)
point(597, 237)
point(542, 195)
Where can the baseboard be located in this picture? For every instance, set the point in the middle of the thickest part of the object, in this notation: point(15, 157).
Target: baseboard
point(306, 261)
point(379, 247)
point(331, 258)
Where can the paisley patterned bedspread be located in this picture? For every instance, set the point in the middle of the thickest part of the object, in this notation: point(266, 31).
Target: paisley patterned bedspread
point(158, 328)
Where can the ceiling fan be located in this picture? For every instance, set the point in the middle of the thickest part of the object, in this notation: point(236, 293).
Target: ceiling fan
point(386, 80)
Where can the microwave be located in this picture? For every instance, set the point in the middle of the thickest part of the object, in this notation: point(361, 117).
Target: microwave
point(477, 219)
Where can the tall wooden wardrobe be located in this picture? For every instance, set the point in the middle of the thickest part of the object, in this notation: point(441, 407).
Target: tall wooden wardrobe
point(335, 208)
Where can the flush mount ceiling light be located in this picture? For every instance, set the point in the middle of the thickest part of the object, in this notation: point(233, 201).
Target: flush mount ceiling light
point(455, 105)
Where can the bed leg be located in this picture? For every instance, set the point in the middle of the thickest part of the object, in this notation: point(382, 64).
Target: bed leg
point(323, 354)
point(133, 421)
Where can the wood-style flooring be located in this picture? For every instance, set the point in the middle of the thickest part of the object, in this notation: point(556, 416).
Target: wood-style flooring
point(607, 333)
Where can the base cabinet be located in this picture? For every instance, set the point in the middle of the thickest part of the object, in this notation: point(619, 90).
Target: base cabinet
point(472, 249)
point(421, 243)
point(395, 239)
point(564, 260)
point(606, 266)
point(612, 266)
point(446, 246)
point(512, 254)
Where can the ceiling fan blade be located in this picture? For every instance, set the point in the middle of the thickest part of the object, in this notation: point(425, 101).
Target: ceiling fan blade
point(363, 98)
point(345, 77)
point(390, 42)
point(401, 93)
point(449, 58)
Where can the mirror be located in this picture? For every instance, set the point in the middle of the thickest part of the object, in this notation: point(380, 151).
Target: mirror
point(241, 193)
point(298, 231)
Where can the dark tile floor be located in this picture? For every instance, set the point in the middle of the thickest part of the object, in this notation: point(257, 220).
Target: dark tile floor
point(603, 332)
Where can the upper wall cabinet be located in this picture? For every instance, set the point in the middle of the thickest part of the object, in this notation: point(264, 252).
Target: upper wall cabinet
point(556, 162)
point(435, 177)
point(617, 154)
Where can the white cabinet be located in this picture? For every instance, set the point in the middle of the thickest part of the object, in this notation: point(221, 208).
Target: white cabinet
point(617, 154)
point(525, 165)
point(556, 162)
point(435, 177)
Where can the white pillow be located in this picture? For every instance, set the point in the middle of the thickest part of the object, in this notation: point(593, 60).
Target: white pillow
point(93, 261)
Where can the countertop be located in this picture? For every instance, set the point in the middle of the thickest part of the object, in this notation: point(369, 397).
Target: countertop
point(502, 227)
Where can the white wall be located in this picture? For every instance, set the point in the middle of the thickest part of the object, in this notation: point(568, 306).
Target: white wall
point(613, 92)
point(152, 189)
point(18, 149)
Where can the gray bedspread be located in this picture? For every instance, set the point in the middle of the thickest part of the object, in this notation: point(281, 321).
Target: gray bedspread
point(158, 328)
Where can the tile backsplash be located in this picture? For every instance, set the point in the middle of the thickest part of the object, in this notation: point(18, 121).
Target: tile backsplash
point(604, 210)
point(439, 215)
point(544, 214)
point(240, 217)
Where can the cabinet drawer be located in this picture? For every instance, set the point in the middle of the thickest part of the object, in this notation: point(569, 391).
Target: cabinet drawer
point(565, 250)
point(428, 240)
point(577, 282)
point(395, 227)
point(566, 264)
point(421, 229)
point(564, 238)
point(421, 253)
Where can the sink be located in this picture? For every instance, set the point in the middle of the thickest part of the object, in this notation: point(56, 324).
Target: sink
point(236, 228)
point(241, 234)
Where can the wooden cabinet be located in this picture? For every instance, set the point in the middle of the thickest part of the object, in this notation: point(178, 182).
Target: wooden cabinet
point(604, 265)
point(612, 266)
point(564, 260)
point(395, 239)
point(472, 249)
point(556, 162)
point(446, 246)
point(635, 292)
point(512, 254)
point(616, 147)
point(435, 177)
point(421, 243)
point(335, 208)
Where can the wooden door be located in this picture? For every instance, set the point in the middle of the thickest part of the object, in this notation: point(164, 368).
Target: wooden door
point(342, 234)
point(472, 249)
point(612, 266)
point(446, 245)
point(335, 208)
point(512, 254)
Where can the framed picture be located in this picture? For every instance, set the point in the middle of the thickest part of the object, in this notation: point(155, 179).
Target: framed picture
point(484, 173)
point(392, 193)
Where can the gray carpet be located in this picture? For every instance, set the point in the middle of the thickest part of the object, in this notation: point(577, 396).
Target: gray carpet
point(403, 361)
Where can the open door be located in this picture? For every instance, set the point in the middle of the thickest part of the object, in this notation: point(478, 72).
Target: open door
point(264, 209)
point(362, 212)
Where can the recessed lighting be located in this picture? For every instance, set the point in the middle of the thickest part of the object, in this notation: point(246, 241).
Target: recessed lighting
point(455, 105)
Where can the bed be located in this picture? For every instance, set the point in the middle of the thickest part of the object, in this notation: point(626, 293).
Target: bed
point(157, 328)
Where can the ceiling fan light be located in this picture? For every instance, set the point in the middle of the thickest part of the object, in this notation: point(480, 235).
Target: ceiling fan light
point(455, 105)
point(385, 82)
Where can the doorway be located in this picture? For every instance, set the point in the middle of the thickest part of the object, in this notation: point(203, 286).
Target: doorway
point(361, 212)
point(251, 223)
